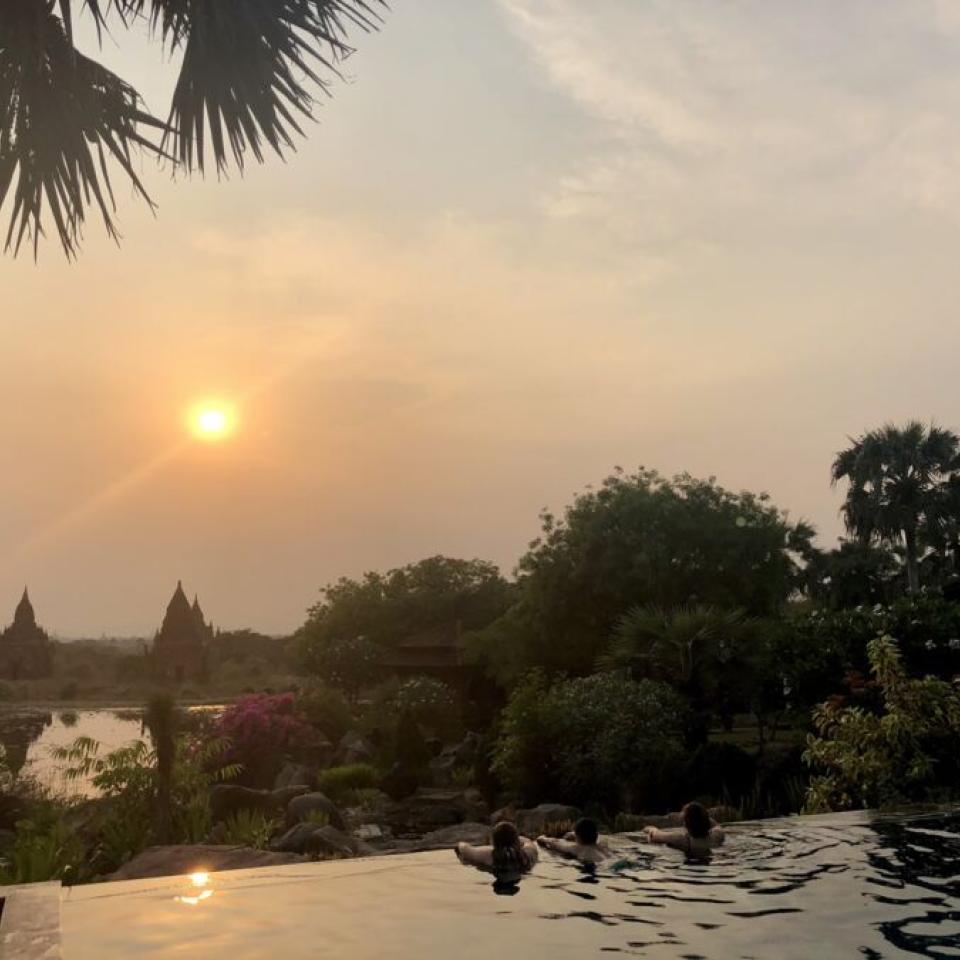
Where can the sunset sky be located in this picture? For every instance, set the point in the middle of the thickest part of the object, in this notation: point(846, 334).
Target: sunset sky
point(527, 241)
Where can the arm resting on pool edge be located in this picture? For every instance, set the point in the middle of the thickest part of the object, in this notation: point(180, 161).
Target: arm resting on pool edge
point(565, 848)
point(474, 856)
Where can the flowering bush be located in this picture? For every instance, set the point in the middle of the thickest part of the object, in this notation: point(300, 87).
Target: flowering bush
point(262, 730)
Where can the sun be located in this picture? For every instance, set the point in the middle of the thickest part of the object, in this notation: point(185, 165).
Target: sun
point(212, 420)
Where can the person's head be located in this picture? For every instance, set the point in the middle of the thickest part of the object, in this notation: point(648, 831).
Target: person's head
point(696, 820)
point(505, 836)
point(586, 831)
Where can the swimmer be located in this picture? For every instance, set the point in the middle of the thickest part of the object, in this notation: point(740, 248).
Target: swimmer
point(509, 857)
point(698, 836)
point(582, 843)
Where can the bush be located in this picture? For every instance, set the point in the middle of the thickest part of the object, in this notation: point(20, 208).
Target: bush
point(42, 852)
point(262, 729)
point(249, 828)
point(326, 709)
point(336, 782)
point(883, 757)
point(719, 772)
point(602, 738)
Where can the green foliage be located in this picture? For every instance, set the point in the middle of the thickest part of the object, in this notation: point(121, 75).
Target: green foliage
point(325, 709)
point(871, 759)
point(429, 702)
point(640, 539)
point(128, 780)
point(899, 484)
point(602, 738)
point(462, 777)
point(249, 828)
point(43, 851)
point(350, 663)
point(336, 782)
point(438, 594)
point(318, 818)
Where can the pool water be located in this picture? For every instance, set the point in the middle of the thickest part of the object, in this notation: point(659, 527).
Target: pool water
point(846, 885)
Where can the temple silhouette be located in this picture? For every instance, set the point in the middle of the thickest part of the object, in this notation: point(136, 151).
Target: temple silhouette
point(25, 648)
point(181, 646)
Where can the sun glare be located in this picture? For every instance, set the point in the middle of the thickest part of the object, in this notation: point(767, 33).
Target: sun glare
point(212, 421)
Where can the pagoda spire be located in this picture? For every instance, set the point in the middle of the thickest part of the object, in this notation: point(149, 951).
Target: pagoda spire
point(24, 612)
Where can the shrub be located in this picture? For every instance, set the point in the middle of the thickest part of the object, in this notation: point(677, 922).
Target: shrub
point(336, 782)
point(249, 828)
point(42, 852)
point(602, 738)
point(326, 709)
point(262, 729)
point(877, 758)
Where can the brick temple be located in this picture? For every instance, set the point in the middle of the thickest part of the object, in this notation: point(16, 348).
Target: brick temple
point(25, 648)
point(181, 646)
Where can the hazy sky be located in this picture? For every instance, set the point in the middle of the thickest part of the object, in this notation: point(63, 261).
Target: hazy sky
point(529, 240)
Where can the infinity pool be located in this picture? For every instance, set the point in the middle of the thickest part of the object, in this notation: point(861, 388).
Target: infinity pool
point(844, 885)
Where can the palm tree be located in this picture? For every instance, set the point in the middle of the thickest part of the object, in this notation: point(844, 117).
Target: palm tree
point(897, 478)
point(64, 118)
point(161, 719)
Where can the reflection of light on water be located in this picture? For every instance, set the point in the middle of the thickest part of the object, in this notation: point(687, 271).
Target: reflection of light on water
point(198, 879)
point(193, 901)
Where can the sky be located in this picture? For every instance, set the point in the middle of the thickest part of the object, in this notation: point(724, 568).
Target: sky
point(527, 241)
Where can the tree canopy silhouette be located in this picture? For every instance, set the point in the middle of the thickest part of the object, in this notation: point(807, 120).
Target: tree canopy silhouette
point(246, 67)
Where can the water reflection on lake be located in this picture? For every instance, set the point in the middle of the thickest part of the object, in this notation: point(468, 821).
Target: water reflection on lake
point(29, 735)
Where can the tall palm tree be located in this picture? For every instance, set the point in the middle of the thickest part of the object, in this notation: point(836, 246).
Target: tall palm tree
point(161, 719)
point(897, 478)
point(64, 118)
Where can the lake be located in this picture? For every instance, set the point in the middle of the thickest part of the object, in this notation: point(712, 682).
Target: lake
point(29, 734)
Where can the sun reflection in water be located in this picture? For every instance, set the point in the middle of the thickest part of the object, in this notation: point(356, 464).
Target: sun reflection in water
point(199, 880)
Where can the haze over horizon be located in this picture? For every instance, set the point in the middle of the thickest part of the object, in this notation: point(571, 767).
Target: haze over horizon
point(527, 241)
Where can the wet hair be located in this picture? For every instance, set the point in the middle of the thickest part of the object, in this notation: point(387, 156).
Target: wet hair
point(586, 831)
point(696, 820)
point(509, 857)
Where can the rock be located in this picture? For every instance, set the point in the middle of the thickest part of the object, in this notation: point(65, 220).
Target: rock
point(296, 839)
point(295, 774)
point(369, 831)
point(331, 842)
point(504, 813)
point(228, 798)
point(434, 746)
point(430, 809)
point(531, 823)
point(7, 839)
point(474, 807)
point(399, 782)
point(308, 838)
point(725, 814)
point(476, 833)
point(301, 807)
point(193, 858)
point(355, 748)
point(663, 821)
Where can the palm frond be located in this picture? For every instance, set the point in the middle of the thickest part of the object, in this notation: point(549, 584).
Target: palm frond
point(63, 118)
point(244, 70)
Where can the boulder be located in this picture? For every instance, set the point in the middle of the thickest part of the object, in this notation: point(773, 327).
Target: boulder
point(400, 782)
point(430, 809)
point(307, 838)
point(531, 823)
point(295, 774)
point(192, 858)
point(355, 748)
point(228, 798)
point(475, 833)
point(301, 807)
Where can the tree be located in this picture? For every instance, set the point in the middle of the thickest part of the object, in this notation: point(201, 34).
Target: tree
point(854, 573)
point(64, 117)
point(161, 719)
point(604, 738)
point(641, 539)
point(693, 649)
point(867, 758)
point(438, 593)
point(349, 665)
point(896, 479)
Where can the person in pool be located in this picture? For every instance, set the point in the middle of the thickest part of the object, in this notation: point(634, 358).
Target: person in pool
point(698, 836)
point(582, 843)
point(508, 857)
